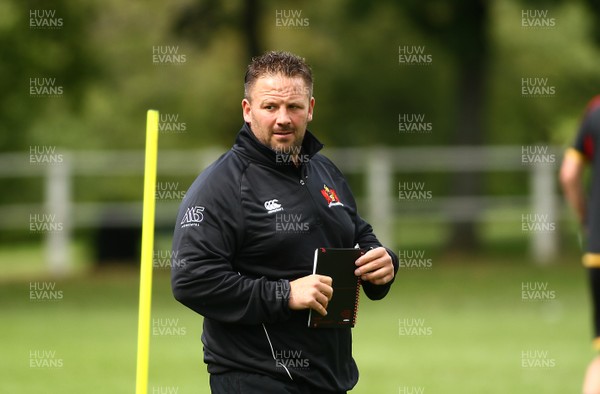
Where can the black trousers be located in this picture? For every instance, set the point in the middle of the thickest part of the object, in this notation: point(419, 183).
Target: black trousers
point(594, 275)
point(249, 383)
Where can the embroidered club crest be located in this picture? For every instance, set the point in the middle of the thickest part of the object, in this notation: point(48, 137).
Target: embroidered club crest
point(331, 196)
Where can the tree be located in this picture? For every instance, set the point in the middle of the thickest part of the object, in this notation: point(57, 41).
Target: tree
point(198, 20)
point(41, 41)
point(462, 28)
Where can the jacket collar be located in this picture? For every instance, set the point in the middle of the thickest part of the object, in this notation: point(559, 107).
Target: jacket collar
point(247, 144)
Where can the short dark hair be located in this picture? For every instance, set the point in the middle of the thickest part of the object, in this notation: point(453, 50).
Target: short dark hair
point(277, 62)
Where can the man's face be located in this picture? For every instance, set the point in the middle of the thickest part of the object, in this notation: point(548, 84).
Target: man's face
point(278, 111)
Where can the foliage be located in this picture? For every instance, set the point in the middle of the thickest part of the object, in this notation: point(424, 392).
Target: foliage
point(103, 57)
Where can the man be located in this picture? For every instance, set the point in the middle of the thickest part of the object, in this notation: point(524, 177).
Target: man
point(249, 277)
point(582, 153)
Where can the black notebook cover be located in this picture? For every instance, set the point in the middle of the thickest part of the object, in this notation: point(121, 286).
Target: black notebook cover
point(343, 306)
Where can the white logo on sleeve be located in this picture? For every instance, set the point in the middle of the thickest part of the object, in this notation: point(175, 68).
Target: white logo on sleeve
point(193, 216)
point(273, 206)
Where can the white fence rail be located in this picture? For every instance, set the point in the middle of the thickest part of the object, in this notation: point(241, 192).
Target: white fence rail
point(378, 164)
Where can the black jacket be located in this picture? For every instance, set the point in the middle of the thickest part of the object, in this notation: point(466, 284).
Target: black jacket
point(247, 226)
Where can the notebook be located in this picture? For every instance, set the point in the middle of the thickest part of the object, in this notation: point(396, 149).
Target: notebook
point(338, 263)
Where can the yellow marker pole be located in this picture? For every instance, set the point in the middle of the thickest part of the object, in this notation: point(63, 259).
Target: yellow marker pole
point(143, 345)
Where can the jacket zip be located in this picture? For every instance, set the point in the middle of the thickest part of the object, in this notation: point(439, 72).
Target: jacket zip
point(304, 186)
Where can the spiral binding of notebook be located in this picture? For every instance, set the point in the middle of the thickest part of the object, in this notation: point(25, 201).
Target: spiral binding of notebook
point(355, 312)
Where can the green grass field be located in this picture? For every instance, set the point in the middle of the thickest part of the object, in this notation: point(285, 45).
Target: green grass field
point(475, 331)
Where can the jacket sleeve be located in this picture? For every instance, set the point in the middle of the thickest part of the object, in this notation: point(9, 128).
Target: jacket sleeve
point(366, 239)
point(208, 231)
point(588, 134)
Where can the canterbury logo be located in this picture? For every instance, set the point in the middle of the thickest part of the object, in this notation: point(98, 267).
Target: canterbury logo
point(193, 216)
point(273, 206)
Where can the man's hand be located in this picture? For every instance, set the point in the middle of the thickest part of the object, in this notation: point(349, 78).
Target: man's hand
point(375, 266)
point(312, 291)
